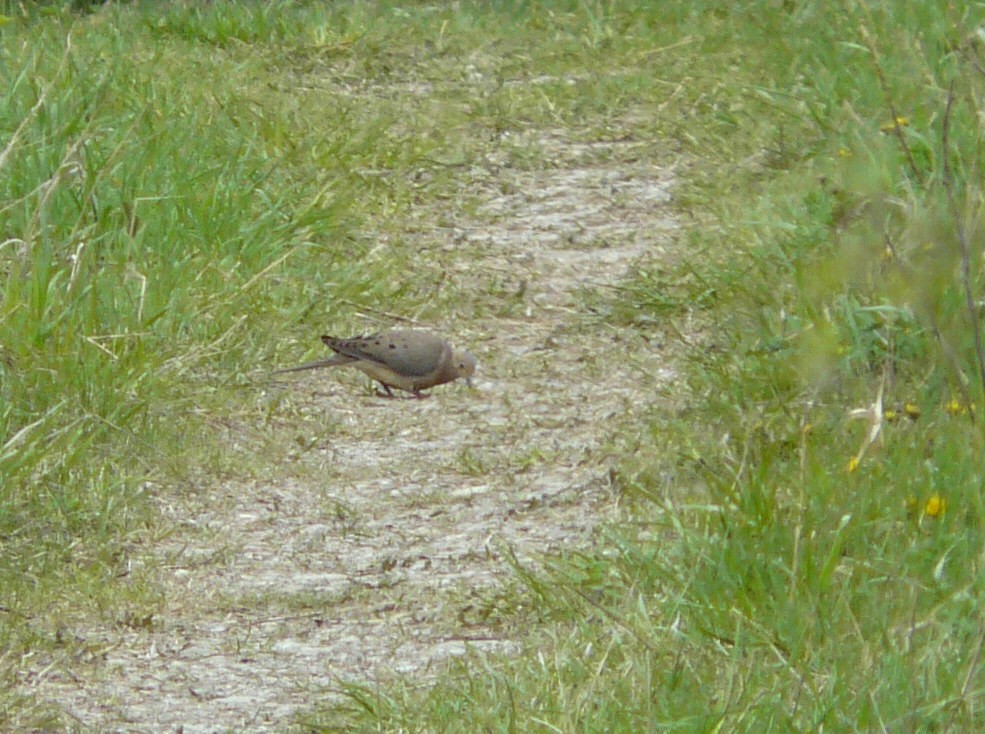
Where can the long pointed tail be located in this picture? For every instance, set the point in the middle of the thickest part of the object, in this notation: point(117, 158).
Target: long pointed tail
point(333, 361)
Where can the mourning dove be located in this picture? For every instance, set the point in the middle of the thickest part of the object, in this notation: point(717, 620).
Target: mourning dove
point(401, 358)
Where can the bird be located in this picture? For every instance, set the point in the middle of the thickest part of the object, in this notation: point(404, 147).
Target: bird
point(406, 359)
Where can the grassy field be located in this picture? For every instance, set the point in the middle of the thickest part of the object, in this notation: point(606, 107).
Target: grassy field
point(803, 542)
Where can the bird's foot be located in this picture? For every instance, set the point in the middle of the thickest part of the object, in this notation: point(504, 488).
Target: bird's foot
point(387, 394)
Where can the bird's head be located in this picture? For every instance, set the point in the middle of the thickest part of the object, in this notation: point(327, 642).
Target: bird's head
point(465, 364)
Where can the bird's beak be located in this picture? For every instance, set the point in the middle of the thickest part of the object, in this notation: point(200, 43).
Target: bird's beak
point(468, 381)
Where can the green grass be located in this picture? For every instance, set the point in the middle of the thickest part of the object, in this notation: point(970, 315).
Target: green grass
point(173, 215)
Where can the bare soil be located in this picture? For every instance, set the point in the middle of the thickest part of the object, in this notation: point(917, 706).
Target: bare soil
point(381, 551)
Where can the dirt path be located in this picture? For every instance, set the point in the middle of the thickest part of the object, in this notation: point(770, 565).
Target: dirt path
point(387, 563)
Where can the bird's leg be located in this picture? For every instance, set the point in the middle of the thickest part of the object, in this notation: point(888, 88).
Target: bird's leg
point(419, 395)
point(388, 393)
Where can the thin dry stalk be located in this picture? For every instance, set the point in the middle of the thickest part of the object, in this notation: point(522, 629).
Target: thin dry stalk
point(962, 233)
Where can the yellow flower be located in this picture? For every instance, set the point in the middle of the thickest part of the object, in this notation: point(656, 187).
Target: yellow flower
point(912, 411)
point(936, 505)
point(889, 415)
point(852, 464)
point(898, 122)
point(954, 407)
point(844, 152)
